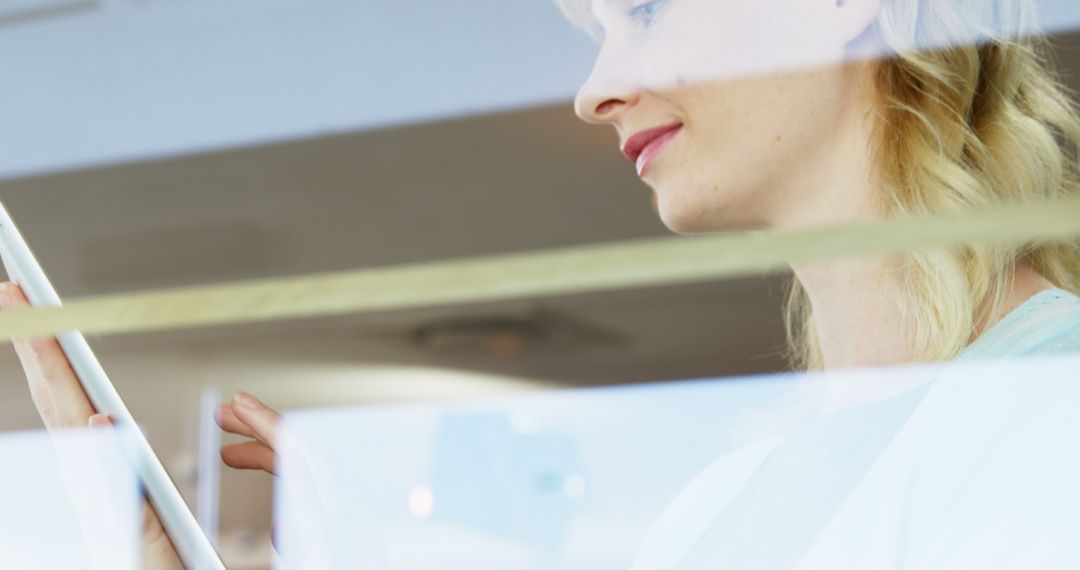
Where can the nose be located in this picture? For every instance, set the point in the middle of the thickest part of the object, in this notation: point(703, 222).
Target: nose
point(603, 97)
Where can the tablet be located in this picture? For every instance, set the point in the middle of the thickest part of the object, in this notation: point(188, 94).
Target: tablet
point(193, 546)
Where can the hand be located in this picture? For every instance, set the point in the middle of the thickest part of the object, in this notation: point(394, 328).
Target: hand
point(62, 404)
point(247, 416)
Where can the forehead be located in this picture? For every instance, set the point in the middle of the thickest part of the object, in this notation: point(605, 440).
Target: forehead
point(580, 13)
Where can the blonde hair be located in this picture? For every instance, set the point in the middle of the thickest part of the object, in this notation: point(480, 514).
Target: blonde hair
point(971, 114)
point(977, 119)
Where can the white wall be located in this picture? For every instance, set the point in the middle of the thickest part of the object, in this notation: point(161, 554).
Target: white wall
point(122, 80)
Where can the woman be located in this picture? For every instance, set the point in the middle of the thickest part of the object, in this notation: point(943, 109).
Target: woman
point(924, 106)
point(851, 138)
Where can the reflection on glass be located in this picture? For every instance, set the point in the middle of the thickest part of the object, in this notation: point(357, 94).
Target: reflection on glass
point(69, 501)
point(777, 115)
point(964, 465)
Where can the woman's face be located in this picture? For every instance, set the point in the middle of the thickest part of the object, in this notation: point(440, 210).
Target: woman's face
point(707, 107)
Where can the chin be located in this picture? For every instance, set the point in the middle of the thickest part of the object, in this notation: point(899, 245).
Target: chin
point(704, 210)
point(682, 216)
point(682, 220)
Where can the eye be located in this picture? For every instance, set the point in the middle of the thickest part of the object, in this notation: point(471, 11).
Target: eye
point(646, 12)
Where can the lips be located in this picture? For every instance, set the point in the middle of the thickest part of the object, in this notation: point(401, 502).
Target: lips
point(642, 147)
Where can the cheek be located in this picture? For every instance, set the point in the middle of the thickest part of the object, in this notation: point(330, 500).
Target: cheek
point(757, 122)
point(745, 141)
point(739, 124)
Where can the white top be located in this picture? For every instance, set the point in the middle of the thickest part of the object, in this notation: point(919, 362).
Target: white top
point(976, 469)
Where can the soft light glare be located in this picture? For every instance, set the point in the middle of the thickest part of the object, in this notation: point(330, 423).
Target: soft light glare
point(421, 501)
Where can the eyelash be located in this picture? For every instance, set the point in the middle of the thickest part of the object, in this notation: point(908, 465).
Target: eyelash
point(646, 11)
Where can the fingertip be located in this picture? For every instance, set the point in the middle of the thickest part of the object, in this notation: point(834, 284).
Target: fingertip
point(245, 400)
point(100, 420)
point(235, 408)
point(248, 455)
point(233, 456)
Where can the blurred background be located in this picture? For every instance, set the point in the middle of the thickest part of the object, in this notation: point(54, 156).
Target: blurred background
point(151, 143)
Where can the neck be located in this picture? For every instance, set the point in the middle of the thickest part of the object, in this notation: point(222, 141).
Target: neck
point(859, 322)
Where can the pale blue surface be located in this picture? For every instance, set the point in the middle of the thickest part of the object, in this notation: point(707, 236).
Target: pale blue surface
point(858, 488)
point(977, 469)
point(69, 501)
point(499, 471)
point(901, 481)
point(1047, 323)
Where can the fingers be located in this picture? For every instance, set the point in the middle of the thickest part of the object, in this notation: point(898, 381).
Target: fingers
point(54, 387)
point(11, 295)
point(227, 420)
point(53, 384)
point(261, 420)
point(249, 455)
point(247, 416)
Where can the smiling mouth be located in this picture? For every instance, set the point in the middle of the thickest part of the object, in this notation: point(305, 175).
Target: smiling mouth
point(644, 146)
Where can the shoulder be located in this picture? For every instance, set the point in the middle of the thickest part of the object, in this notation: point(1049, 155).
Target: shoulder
point(981, 476)
point(1048, 323)
point(1001, 451)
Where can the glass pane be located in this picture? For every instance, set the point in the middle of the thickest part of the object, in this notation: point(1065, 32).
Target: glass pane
point(70, 501)
point(152, 145)
point(965, 464)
